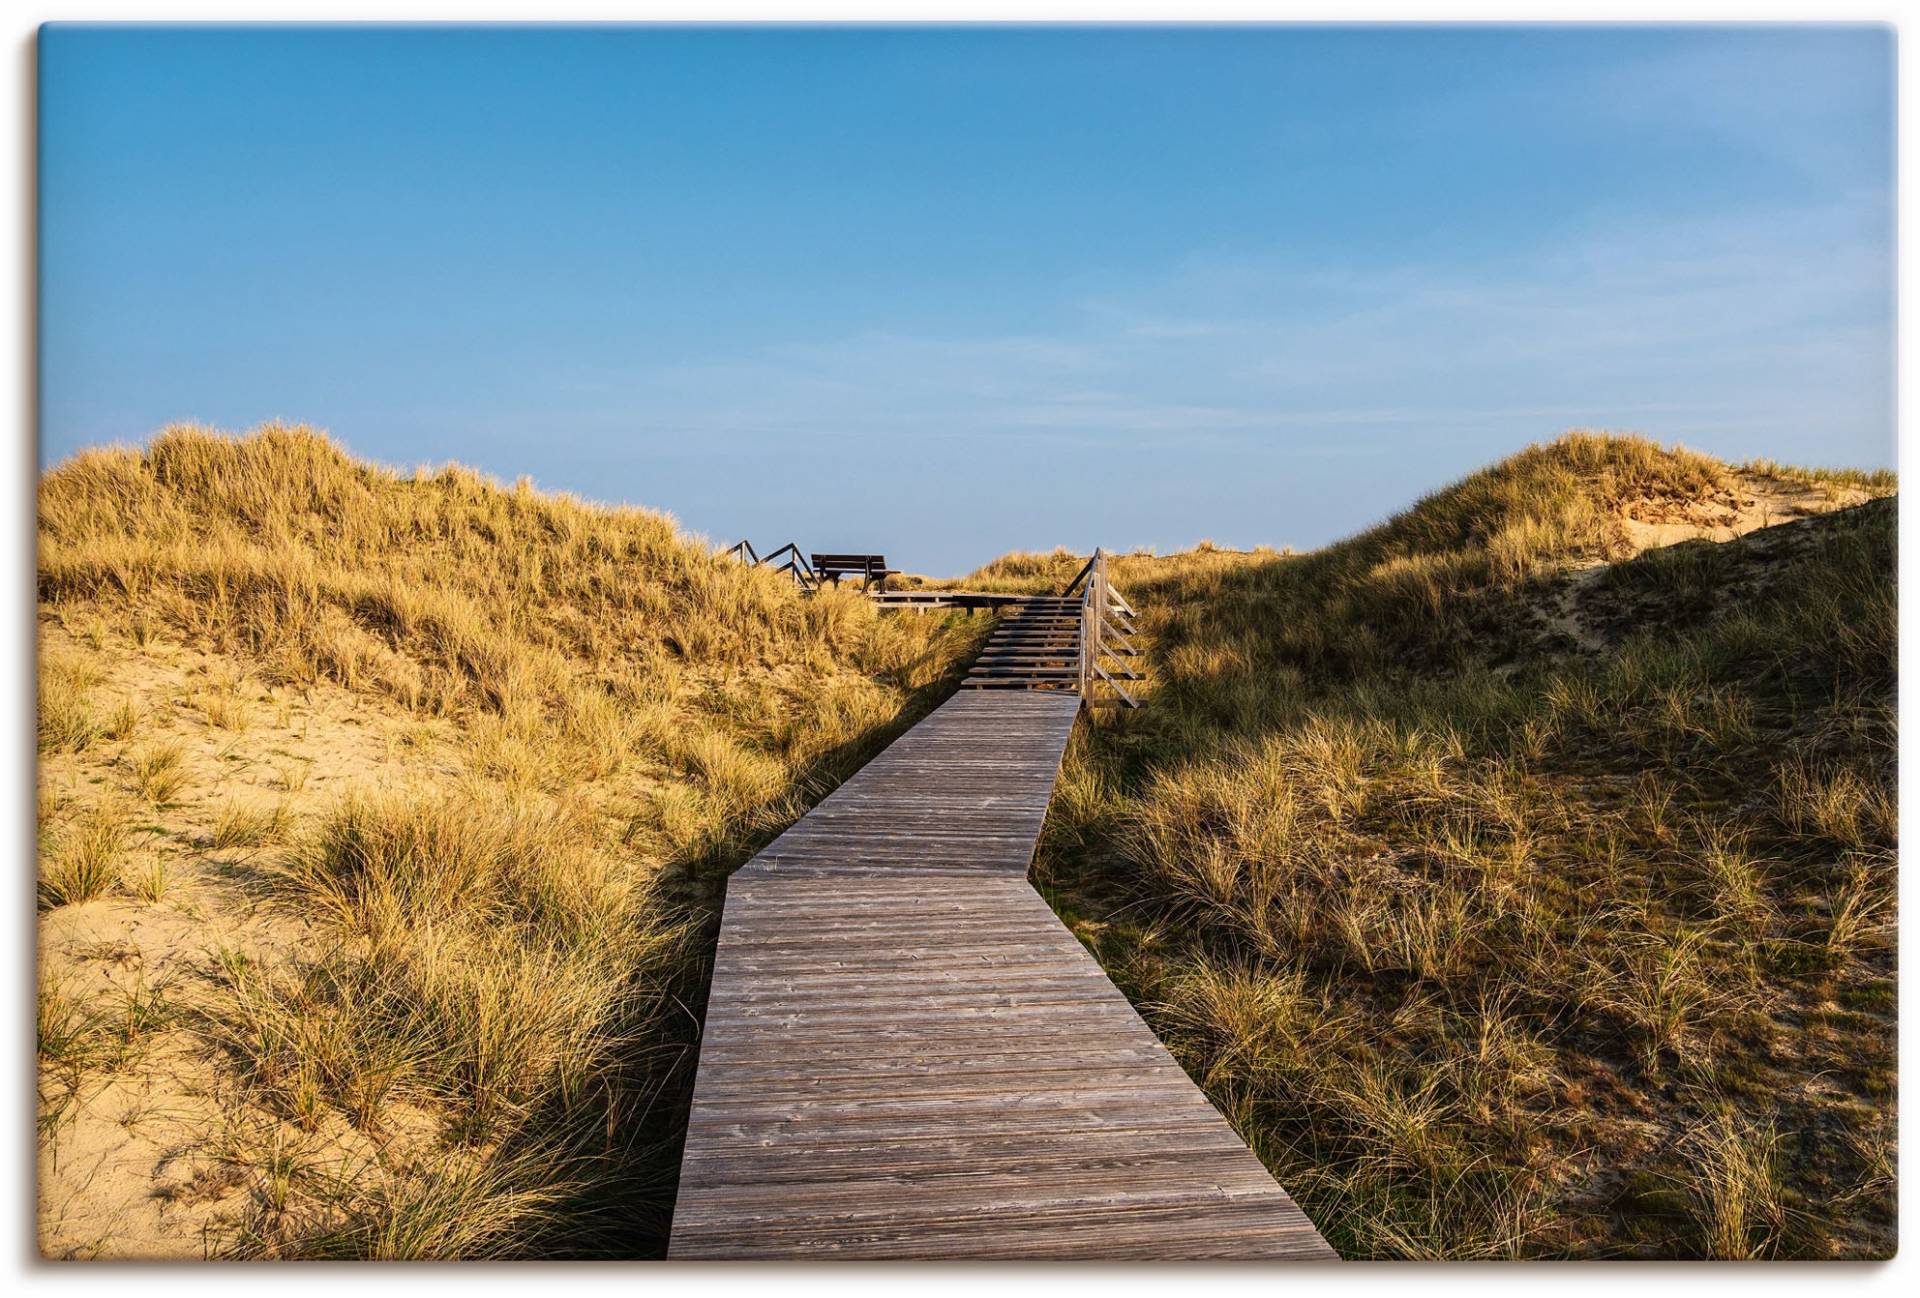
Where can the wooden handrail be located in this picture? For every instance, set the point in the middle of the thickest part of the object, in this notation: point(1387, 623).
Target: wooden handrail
point(1098, 598)
point(1084, 572)
point(796, 565)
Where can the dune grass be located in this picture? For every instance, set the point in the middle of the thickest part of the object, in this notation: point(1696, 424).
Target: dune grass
point(482, 1044)
point(82, 861)
point(1496, 947)
point(1491, 941)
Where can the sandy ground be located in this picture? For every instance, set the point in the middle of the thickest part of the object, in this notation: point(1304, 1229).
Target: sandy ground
point(130, 1151)
point(1756, 501)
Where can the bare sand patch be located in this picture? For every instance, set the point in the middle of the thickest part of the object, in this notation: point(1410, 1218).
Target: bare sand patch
point(1752, 502)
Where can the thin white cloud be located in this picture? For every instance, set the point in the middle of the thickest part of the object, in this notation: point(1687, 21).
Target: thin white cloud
point(1761, 319)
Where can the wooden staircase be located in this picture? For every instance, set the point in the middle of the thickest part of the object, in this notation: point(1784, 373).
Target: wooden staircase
point(1064, 642)
point(1079, 640)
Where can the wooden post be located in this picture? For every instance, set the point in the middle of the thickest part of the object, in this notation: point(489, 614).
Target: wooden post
point(1093, 604)
point(1084, 592)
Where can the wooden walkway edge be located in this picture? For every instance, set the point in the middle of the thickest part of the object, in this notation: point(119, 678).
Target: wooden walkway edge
point(908, 1056)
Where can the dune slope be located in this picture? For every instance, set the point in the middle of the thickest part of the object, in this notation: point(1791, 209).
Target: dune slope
point(382, 819)
point(1519, 875)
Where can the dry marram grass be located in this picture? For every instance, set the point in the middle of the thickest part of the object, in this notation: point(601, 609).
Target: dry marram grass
point(1518, 876)
point(419, 790)
point(1516, 895)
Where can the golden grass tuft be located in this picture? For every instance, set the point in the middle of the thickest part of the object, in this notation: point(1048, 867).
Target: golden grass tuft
point(157, 772)
point(83, 860)
point(69, 720)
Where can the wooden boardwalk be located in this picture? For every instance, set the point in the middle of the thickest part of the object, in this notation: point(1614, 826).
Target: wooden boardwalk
point(908, 1056)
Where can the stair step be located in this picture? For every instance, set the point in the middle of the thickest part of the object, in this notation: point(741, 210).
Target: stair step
point(1028, 665)
point(1007, 683)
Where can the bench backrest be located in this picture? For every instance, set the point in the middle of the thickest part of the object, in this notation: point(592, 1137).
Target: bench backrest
point(830, 563)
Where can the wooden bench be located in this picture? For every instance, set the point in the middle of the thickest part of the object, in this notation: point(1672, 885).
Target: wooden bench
point(869, 568)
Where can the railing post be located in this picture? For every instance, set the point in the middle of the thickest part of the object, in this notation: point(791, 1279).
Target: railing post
point(1085, 593)
point(1093, 602)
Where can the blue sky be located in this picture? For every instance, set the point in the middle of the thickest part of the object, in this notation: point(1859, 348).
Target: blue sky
point(949, 292)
